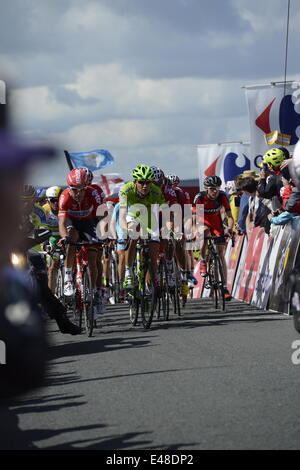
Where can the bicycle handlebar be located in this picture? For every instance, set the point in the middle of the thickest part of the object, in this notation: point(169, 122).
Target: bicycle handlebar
point(89, 244)
point(221, 237)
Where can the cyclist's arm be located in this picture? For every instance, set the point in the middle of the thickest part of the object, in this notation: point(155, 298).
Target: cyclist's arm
point(62, 225)
point(230, 220)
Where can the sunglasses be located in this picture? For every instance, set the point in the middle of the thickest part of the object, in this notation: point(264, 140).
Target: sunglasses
point(144, 182)
point(53, 199)
point(78, 189)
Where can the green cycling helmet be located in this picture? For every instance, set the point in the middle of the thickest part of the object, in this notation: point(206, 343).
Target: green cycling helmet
point(143, 172)
point(274, 157)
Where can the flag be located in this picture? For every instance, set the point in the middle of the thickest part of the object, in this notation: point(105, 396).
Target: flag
point(94, 160)
point(110, 183)
point(271, 138)
point(278, 138)
point(227, 160)
point(273, 109)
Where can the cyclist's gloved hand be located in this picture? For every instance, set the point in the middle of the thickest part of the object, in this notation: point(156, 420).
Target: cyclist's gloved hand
point(63, 241)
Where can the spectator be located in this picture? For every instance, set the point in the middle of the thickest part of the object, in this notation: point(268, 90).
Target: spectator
point(270, 182)
point(21, 325)
point(234, 199)
point(258, 212)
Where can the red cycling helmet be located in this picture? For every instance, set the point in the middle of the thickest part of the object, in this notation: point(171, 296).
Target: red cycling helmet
point(77, 178)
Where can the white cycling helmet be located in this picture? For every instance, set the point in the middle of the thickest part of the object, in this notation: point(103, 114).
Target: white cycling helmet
point(53, 192)
point(173, 179)
point(158, 174)
point(89, 173)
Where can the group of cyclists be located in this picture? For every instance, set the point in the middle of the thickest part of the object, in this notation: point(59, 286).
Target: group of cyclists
point(81, 212)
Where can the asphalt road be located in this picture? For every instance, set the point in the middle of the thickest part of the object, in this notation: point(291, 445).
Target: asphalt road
point(206, 381)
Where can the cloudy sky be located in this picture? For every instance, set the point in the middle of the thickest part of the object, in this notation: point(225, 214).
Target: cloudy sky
point(146, 79)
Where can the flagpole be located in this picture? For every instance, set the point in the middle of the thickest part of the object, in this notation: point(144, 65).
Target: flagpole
point(286, 46)
point(68, 158)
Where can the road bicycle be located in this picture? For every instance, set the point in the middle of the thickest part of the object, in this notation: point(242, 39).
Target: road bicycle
point(82, 302)
point(112, 282)
point(215, 279)
point(143, 296)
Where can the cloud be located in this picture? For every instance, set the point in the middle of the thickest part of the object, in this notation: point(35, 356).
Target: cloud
point(147, 79)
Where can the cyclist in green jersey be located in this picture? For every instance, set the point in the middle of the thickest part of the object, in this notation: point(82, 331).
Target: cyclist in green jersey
point(139, 201)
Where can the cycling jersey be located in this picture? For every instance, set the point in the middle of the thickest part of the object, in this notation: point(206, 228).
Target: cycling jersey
point(169, 194)
point(51, 219)
point(86, 209)
point(212, 211)
point(183, 197)
point(130, 200)
point(129, 196)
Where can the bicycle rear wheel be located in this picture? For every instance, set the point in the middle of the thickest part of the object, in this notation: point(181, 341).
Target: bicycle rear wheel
point(88, 304)
point(148, 297)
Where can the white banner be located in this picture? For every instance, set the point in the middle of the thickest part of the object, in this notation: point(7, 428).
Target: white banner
point(274, 116)
point(226, 160)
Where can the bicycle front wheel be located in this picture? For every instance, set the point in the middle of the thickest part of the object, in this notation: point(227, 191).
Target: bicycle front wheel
point(148, 298)
point(87, 300)
point(218, 284)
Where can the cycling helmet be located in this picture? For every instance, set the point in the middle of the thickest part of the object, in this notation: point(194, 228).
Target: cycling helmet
point(173, 180)
point(295, 165)
point(28, 192)
point(53, 191)
point(77, 178)
point(158, 174)
point(274, 157)
point(212, 181)
point(89, 173)
point(40, 193)
point(143, 172)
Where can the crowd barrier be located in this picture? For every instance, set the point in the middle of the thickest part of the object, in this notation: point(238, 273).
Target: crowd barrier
point(258, 269)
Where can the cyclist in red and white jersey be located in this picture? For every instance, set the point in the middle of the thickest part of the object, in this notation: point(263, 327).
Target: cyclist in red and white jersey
point(183, 198)
point(77, 221)
point(214, 200)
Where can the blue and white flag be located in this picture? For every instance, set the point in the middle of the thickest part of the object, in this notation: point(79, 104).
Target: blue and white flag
point(94, 160)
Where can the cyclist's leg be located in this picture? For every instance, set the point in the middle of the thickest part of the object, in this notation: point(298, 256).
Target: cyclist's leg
point(129, 257)
point(121, 264)
point(54, 263)
point(221, 251)
point(52, 273)
point(99, 282)
point(106, 269)
point(92, 261)
point(154, 253)
point(70, 261)
point(203, 251)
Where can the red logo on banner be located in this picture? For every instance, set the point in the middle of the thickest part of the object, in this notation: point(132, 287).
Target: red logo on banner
point(263, 120)
point(211, 170)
